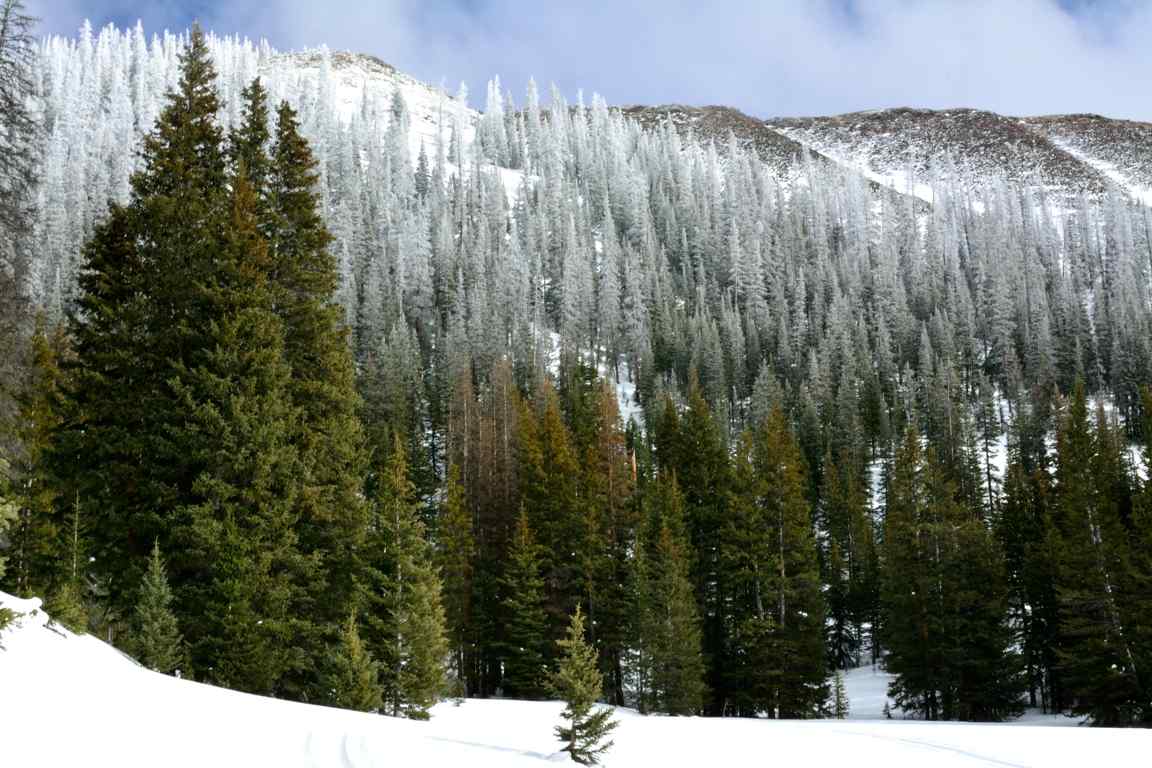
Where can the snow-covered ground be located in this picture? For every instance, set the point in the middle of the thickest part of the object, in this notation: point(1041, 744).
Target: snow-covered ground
point(68, 700)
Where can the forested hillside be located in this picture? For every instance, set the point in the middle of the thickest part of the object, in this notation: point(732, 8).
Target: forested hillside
point(344, 363)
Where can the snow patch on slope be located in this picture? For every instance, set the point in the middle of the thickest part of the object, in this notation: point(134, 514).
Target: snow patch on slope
point(1141, 193)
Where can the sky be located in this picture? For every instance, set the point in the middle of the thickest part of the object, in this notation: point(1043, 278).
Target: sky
point(766, 57)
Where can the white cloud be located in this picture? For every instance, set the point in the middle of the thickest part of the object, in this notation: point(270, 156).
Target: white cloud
point(768, 57)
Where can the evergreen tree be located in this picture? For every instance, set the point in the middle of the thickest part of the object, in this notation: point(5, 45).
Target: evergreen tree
point(1137, 591)
point(404, 626)
point(525, 622)
point(156, 642)
point(66, 603)
point(455, 558)
point(330, 512)
point(237, 521)
point(354, 679)
point(771, 564)
point(693, 448)
point(18, 146)
point(944, 598)
point(840, 705)
point(38, 539)
point(577, 681)
point(668, 627)
point(143, 315)
point(1095, 655)
point(248, 143)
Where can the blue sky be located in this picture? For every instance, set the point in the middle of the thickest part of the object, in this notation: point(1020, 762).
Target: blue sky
point(767, 57)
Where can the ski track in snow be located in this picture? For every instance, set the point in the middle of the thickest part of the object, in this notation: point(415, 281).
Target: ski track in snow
point(983, 759)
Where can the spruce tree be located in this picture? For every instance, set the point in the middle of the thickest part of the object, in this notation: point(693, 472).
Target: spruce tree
point(668, 626)
point(404, 622)
point(525, 621)
point(578, 682)
point(1095, 655)
point(354, 676)
point(66, 603)
point(18, 146)
point(156, 641)
point(944, 598)
point(237, 522)
point(331, 515)
point(840, 704)
point(693, 448)
point(678, 666)
point(455, 558)
point(39, 534)
point(142, 315)
point(772, 569)
point(1137, 591)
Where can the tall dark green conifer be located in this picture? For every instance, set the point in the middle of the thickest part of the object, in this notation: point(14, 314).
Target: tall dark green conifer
point(943, 597)
point(39, 535)
point(404, 621)
point(330, 511)
point(693, 448)
point(525, 622)
point(237, 521)
point(671, 665)
point(770, 563)
point(1096, 661)
point(455, 558)
point(144, 312)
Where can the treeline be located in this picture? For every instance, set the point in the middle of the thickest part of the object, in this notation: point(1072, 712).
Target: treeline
point(349, 500)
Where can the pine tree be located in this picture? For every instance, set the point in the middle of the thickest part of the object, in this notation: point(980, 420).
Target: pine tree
point(693, 448)
point(156, 642)
point(577, 681)
point(38, 539)
point(840, 705)
point(911, 624)
point(678, 666)
point(944, 598)
point(142, 311)
point(550, 474)
point(525, 622)
point(330, 512)
point(248, 143)
point(771, 566)
point(18, 150)
point(354, 679)
point(1136, 603)
point(668, 626)
point(237, 521)
point(455, 558)
point(404, 623)
point(1095, 656)
point(66, 603)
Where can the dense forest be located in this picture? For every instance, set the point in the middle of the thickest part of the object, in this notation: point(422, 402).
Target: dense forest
point(294, 404)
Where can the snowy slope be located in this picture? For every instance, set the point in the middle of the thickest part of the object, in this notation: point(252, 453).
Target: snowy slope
point(906, 149)
point(357, 83)
point(67, 700)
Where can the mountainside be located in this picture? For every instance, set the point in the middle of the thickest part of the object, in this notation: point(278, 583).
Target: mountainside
point(1066, 156)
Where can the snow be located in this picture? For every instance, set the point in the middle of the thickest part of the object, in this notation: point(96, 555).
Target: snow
point(71, 700)
point(1143, 194)
point(626, 402)
point(357, 80)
